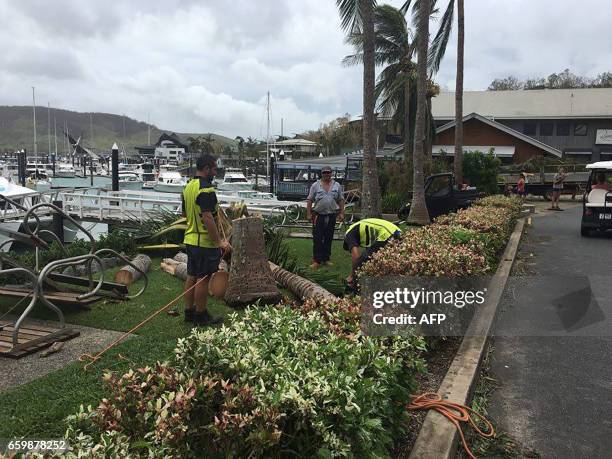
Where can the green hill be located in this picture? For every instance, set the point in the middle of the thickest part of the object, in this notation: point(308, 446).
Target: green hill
point(16, 130)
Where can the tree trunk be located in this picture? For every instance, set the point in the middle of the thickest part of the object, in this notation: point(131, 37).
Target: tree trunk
point(300, 287)
point(407, 146)
point(418, 209)
point(459, 96)
point(250, 277)
point(81, 270)
point(128, 275)
point(370, 195)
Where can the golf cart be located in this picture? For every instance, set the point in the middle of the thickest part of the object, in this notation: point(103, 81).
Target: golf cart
point(597, 200)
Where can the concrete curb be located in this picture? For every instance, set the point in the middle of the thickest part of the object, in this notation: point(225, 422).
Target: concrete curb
point(438, 438)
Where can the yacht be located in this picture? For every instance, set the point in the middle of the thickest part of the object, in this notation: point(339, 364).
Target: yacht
point(11, 214)
point(37, 179)
point(129, 181)
point(65, 170)
point(169, 180)
point(234, 180)
point(146, 171)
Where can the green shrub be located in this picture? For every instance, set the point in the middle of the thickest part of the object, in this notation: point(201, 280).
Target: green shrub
point(391, 203)
point(480, 170)
point(273, 381)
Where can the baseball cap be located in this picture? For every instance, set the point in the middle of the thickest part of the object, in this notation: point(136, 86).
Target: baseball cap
point(326, 169)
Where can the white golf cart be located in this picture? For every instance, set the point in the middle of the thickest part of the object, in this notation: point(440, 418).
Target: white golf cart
point(597, 200)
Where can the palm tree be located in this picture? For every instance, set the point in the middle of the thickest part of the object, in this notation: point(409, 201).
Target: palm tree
point(240, 141)
point(436, 54)
point(396, 83)
point(418, 209)
point(358, 15)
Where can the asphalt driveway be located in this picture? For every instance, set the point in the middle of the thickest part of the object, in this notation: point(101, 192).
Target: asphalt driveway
point(553, 349)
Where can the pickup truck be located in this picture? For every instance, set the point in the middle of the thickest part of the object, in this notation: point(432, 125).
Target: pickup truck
point(540, 184)
point(442, 196)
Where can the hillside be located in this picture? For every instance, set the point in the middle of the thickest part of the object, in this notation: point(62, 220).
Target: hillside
point(16, 130)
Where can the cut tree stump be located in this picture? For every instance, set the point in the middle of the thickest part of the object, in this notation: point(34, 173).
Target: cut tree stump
point(250, 277)
point(128, 275)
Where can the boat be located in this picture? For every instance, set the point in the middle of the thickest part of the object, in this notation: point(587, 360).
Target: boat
point(169, 180)
point(129, 181)
point(12, 213)
point(65, 170)
point(147, 174)
point(234, 180)
point(37, 179)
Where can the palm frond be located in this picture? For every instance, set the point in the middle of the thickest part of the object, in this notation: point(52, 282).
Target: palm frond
point(438, 46)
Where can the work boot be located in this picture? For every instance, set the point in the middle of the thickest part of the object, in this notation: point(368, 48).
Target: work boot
point(314, 265)
point(189, 313)
point(329, 263)
point(202, 319)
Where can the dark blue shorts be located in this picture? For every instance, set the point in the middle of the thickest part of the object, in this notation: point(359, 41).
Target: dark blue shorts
point(202, 261)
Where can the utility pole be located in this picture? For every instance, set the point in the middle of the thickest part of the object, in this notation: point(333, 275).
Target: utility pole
point(34, 114)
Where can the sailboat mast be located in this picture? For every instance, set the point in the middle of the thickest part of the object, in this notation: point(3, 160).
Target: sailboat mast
point(55, 134)
point(49, 127)
point(91, 130)
point(34, 114)
point(268, 141)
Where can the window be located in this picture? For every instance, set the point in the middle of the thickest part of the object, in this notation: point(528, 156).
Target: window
point(546, 129)
point(563, 129)
point(439, 187)
point(529, 129)
point(581, 129)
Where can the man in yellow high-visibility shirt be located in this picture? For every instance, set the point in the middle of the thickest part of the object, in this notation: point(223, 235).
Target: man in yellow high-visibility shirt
point(372, 234)
point(202, 241)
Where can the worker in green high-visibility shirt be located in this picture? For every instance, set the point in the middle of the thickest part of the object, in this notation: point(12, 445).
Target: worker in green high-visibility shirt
point(203, 244)
point(371, 234)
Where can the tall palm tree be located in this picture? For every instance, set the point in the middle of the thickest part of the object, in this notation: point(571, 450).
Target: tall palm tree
point(436, 54)
point(359, 15)
point(418, 209)
point(396, 83)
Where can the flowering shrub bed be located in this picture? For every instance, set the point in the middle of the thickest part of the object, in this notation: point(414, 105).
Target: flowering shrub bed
point(465, 243)
point(276, 380)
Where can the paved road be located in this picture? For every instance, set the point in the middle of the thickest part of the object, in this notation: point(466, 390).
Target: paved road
point(553, 352)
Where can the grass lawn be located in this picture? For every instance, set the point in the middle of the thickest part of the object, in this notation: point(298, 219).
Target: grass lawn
point(37, 409)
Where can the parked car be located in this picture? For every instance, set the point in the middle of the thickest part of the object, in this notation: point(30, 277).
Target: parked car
point(443, 196)
point(597, 200)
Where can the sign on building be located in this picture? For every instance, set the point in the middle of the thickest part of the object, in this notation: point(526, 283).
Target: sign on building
point(604, 137)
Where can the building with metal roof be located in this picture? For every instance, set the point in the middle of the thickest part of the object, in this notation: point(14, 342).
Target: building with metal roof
point(573, 123)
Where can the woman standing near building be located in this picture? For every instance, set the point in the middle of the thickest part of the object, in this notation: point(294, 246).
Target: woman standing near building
point(324, 206)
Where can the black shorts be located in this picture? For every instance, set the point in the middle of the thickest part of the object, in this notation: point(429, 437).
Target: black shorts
point(202, 261)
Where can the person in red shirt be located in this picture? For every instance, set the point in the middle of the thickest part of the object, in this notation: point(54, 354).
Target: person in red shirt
point(520, 186)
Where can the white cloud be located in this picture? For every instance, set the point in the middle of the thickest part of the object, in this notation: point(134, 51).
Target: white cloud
point(206, 66)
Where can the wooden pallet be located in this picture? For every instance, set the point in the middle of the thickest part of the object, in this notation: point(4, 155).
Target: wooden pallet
point(54, 297)
point(31, 338)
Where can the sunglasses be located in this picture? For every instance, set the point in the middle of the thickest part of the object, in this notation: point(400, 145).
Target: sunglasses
point(326, 172)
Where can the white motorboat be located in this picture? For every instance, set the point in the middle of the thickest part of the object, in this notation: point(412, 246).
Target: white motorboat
point(38, 179)
point(234, 180)
point(65, 170)
point(170, 180)
point(11, 215)
point(146, 171)
point(129, 181)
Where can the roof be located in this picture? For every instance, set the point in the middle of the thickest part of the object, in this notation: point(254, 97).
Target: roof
point(296, 142)
point(600, 165)
point(529, 104)
point(506, 129)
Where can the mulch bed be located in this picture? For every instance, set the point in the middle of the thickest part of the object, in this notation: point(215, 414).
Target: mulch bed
point(438, 361)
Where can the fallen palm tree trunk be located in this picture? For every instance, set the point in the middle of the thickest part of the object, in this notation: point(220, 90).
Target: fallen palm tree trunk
point(128, 274)
point(300, 287)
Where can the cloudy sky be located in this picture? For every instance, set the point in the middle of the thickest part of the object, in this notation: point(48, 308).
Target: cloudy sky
point(205, 66)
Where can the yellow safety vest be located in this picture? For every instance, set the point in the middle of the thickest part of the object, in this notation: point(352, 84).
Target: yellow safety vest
point(196, 233)
point(373, 230)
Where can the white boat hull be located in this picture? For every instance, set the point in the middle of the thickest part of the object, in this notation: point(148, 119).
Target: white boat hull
point(169, 187)
point(235, 186)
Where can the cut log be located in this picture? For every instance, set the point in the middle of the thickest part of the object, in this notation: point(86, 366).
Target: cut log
point(81, 270)
point(181, 257)
point(300, 287)
point(250, 277)
point(128, 275)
